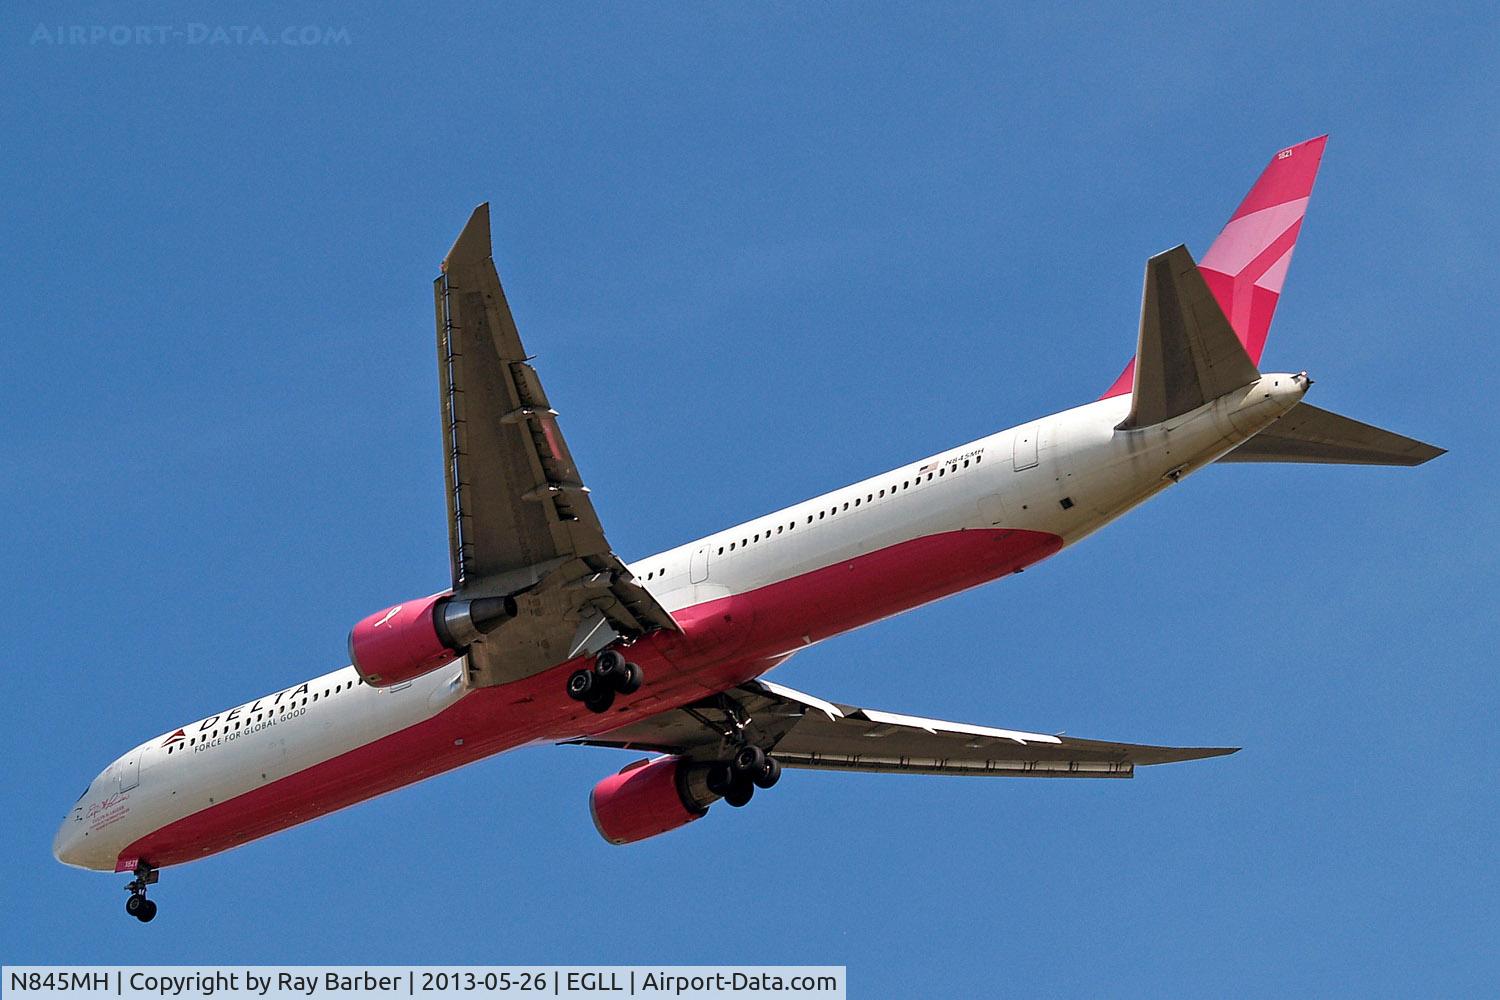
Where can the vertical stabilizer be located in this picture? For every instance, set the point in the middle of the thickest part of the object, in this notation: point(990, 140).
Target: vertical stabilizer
point(1247, 264)
point(1186, 355)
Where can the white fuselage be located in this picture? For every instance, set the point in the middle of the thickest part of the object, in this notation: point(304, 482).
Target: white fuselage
point(1065, 475)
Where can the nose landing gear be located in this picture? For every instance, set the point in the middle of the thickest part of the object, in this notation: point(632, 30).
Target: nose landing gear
point(611, 675)
point(138, 905)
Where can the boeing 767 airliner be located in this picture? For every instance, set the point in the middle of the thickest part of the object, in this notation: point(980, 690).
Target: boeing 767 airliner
point(546, 635)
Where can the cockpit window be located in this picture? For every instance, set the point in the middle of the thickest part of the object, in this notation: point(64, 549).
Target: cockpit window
point(85, 792)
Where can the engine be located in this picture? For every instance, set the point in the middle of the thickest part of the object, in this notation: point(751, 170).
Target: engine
point(410, 639)
point(650, 797)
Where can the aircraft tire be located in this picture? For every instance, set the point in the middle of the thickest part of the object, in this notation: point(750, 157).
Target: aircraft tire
point(768, 775)
point(581, 685)
point(749, 760)
point(739, 793)
point(720, 779)
point(610, 665)
point(631, 680)
point(600, 700)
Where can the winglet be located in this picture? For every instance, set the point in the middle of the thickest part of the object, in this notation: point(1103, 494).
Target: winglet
point(473, 244)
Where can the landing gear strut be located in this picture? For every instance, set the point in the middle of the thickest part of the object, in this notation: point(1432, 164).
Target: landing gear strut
point(611, 675)
point(138, 905)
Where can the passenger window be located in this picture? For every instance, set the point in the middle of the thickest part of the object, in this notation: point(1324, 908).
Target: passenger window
point(856, 502)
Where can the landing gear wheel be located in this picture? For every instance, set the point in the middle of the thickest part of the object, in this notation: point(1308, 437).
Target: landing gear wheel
point(631, 681)
point(138, 905)
point(581, 684)
point(768, 775)
point(610, 665)
point(749, 760)
point(720, 779)
point(600, 700)
point(739, 793)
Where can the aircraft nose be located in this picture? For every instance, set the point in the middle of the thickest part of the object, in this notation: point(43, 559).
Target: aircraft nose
point(67, 845)
point(60, 842)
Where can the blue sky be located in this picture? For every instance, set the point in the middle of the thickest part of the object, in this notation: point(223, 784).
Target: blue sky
point(787, 247)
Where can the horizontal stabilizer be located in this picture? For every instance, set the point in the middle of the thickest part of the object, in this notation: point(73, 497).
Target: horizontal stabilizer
point(1308, 434)
point(1188, 354)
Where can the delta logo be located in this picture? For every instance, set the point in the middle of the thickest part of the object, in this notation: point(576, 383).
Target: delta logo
point(176, 737)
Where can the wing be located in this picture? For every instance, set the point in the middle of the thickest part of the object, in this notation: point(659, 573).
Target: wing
point(520, 520)
point(807, 732)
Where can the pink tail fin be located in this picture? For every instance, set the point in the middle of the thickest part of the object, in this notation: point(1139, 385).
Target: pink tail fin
point(1247, 264)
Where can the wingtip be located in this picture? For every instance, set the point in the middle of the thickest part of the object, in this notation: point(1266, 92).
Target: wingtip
point(473, 243)
point(1197, 753)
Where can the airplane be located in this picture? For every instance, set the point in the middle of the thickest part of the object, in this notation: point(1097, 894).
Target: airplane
point(546, 635)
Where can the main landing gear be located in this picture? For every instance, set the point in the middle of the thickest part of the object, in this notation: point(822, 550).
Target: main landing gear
point(738, 778)
point(138, 905)
point(611, 675)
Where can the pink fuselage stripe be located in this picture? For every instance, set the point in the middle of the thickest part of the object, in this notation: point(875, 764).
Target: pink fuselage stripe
point(724, 642)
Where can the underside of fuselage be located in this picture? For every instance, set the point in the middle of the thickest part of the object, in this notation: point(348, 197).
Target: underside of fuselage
point(546, 635)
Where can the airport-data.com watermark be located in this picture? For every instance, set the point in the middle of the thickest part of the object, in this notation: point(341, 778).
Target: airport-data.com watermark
point(194, 33)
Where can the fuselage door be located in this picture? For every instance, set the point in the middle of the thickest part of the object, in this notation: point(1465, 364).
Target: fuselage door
point(1023, 455)
point(130, 771)
point(698, 567)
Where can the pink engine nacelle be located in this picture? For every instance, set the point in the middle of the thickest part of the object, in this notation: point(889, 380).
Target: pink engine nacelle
point(650, 797)
point(411, 639)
